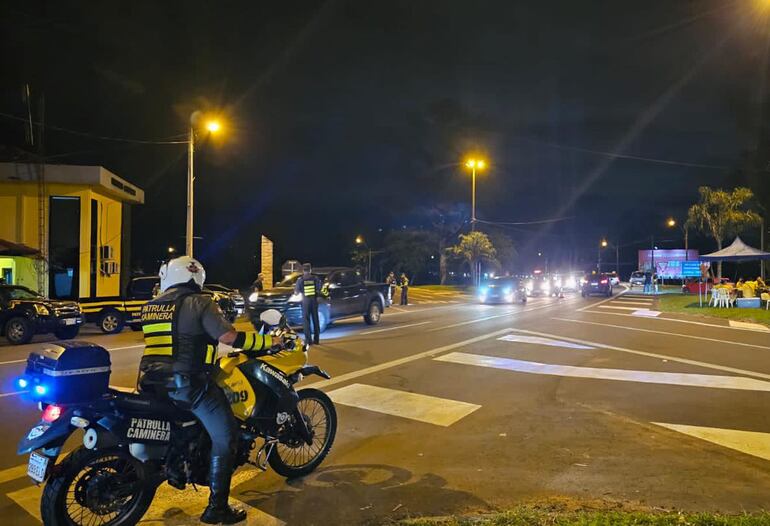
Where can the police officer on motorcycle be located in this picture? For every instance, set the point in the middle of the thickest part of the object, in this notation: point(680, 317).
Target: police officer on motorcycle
point(182, 327)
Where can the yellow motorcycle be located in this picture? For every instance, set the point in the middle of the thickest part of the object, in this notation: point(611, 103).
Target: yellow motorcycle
point(134, 442)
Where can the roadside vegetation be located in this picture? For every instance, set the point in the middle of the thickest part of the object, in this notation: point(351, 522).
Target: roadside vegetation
point(688, 304)
point(548, 516)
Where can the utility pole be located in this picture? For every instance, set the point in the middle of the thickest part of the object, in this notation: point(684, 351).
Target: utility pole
point(762, 248)
point(190, 182)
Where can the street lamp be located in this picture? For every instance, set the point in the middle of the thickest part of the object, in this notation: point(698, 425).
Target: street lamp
point(171, 250)
point(474, 164)
point(604, 244)
point(361, 241)
point(211, 126)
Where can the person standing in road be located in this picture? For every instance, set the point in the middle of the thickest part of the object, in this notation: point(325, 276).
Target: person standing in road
point(258, 285)
point(404, 282)
point(391, 282)
point(647, 282)
point(309, 286)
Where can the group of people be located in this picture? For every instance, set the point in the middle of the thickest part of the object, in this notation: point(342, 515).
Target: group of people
point(403, 282)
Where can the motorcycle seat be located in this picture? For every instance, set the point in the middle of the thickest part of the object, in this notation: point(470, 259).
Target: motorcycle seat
point(148, 402)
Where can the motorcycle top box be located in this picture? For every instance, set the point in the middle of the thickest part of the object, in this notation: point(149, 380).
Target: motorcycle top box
point(67, 372)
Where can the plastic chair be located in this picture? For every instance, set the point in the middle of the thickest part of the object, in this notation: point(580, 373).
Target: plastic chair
point(766, 298)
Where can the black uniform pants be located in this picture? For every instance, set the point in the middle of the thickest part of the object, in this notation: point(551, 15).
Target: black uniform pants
point(405, 295)
point(210, 406)
point(310, 310)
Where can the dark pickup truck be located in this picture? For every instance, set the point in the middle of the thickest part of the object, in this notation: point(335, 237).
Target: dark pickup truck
point(24, 313)
point(349, 296)
point(112, 314)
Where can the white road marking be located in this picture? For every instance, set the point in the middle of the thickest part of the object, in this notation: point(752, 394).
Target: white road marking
point(705, 365)
point(10, 362)
point(401, 361)
point(423, 408)
point(674, 320)
point(477, 320)
point(750, 326)
point(542, 341)
point(395, 328)
point(646, 313)
point(631, 302)
point(14, 393)
point(602, 302)
point(624, 375)
point(692, 336)
point(751, 443)
point(170, 506)
point(617, 308)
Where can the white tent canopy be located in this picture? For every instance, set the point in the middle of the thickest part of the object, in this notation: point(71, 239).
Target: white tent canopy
point(738, 251)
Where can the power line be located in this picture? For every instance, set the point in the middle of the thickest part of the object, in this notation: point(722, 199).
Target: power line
point(92, 135)
point(517, 223)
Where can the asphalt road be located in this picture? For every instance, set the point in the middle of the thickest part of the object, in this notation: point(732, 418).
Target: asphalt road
point(448, 407)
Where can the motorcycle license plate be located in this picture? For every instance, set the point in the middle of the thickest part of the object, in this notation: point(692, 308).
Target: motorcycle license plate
point(38, 464)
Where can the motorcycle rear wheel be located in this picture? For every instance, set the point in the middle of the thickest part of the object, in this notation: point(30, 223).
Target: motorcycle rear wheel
point(293, 457)
point(71, 496)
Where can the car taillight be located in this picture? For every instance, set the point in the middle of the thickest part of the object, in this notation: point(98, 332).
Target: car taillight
point(51, 413)
point(603, 282)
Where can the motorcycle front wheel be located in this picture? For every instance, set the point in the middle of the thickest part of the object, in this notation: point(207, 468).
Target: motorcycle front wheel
point(293, 457)
point(105, 487)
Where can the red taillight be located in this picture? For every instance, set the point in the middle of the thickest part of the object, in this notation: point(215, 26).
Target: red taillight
point(603, 282)
point(51, 413)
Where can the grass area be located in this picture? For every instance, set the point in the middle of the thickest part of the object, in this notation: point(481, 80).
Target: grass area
point(688, 304)
point(554, 516)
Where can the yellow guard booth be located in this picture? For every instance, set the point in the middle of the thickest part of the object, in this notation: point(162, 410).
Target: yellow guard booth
point(78, 217)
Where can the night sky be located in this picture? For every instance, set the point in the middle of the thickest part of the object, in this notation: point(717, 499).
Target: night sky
point(349, 117)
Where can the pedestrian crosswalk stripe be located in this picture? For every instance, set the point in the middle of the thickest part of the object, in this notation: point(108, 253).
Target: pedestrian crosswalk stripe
point(752, 443)
point(625, 302)
point(13, 473)
point(617, 308)
point(625, 375)
point(646, 313)
point(423, 408)
point(170, 506)
point(538, 340)
point(750, 326)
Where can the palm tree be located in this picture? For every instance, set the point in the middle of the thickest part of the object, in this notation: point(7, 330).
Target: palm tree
point(474, 247)
point(721, 213)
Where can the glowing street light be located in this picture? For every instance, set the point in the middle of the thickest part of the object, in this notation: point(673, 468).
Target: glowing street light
point(604, 243)
point(359, 240)
point(211, 126)
point(171, 250)
point(474, 164)
point(671, 222)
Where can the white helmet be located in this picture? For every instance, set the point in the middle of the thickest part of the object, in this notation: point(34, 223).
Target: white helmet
point(181, 270)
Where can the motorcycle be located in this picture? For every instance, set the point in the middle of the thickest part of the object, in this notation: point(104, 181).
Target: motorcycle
point(134, 442)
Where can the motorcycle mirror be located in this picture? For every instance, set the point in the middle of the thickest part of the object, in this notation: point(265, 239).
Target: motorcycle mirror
point(271, 317)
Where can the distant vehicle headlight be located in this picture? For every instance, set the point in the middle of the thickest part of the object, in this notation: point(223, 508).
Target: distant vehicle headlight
point(529, 285)
point(295, 298)
point(546, 287)
point(507, 291)
point(253, 297)
point(42, 310)
point(570, 283)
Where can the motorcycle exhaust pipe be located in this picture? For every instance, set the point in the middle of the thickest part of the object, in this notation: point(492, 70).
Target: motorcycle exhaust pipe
point(98, 437)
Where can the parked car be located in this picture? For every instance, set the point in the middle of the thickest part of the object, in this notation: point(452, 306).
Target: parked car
point(637, 278)
point(691, 285)
point(112, 314)
point(349, 296)
point(24, 313)
point(597, 284)
point(502, 290)
point(238, 302)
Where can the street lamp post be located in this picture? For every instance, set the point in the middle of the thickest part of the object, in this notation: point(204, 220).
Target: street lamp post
point(473, 164)
point(212, 126)
point(360, 241)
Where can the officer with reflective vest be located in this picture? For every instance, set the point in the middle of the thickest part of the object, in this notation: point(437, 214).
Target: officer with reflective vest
point(310, 288)
point(404, 282)
point(182, 327)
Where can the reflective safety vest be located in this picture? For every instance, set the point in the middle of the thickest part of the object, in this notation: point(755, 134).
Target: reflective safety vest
point(404, 281)
point(308, 287)
point(162, 339)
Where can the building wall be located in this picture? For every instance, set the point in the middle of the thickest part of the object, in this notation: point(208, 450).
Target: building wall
point(19, 223)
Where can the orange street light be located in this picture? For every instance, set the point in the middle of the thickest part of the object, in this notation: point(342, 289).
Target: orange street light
point(671, 222)
point(213, 126)
point(474, 164)
point(604, 243)
point(359, 240)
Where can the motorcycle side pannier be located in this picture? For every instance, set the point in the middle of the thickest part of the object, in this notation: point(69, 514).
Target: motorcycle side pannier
point(68, 372)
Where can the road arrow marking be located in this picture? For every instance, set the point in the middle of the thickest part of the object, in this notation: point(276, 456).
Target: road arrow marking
point(752, 443)
point(624, 375)
point(537, 340)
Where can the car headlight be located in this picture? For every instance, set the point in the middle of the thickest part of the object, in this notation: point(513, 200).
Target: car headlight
point(529, 285)
point(296, 297)
point(546, 287)
point(253, 297)
point(570, 283)
point(508, 291)
point(42, 310)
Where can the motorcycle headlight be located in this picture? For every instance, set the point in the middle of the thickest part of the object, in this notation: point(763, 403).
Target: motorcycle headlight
point(296, 297)
point(253, 297)
point(42, 310)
